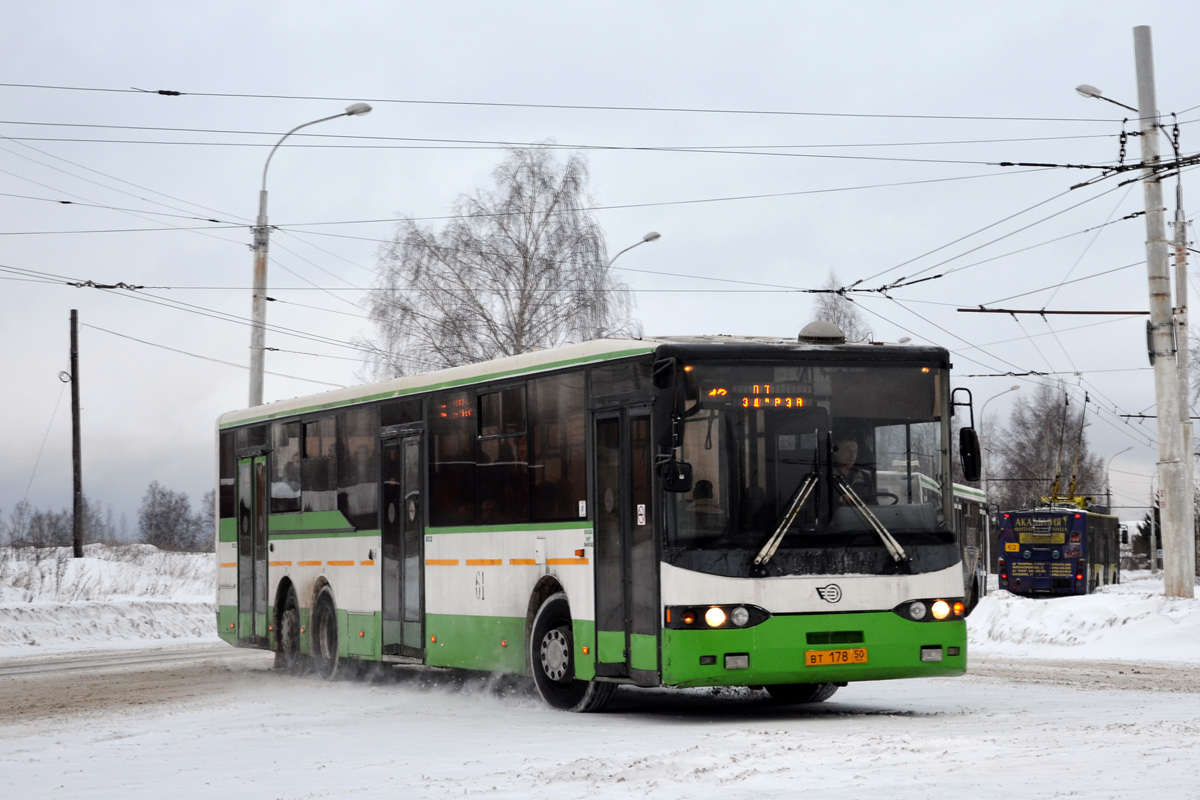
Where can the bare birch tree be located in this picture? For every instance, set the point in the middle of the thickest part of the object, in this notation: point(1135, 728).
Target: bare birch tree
point(835, 308)
point(522, 266)
point(1040, 441)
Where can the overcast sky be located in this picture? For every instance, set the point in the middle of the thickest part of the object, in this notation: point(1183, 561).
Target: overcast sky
point(880, 166)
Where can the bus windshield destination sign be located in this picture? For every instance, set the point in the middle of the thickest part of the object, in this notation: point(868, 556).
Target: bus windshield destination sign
point(756, 395)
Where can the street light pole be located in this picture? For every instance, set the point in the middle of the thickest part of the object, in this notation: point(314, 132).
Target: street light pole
point(1108, 480)
point(262, 237)
point(983, 452)
point(597, 317)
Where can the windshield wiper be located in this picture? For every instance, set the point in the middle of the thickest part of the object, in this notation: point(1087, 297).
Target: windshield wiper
point(802, 494)
point(889, 541)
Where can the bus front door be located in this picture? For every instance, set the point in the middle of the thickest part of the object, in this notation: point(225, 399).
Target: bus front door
point(252, 550)
point(403, 546)
point(626, 558)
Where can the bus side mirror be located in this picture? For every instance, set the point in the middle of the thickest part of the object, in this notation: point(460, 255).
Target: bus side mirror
point(676, 476)
point(968, 451)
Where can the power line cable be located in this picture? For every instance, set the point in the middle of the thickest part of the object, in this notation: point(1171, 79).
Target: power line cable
point(208, 358)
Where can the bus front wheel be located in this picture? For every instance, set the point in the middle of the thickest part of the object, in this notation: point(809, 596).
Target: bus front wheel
point(552, 661)
point(325, 635)
point(801, 692)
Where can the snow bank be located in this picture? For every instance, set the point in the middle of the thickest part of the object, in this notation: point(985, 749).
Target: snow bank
point(128, 596)
point(1132, 620)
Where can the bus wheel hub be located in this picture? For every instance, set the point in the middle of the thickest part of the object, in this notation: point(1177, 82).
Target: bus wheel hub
point(556, 655)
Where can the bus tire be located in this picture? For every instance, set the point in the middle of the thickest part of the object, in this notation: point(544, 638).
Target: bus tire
point(289, 634)
point(791, 693)
point(552, 661)
point(325, 635)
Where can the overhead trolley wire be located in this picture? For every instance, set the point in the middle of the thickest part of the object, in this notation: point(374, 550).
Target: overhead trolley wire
point(558, 106)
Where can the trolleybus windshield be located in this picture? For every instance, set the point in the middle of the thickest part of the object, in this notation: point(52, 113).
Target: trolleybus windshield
point(820, 456)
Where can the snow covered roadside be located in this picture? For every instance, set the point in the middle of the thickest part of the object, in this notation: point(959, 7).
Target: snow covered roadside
point(131, 596)
point(1130, 621)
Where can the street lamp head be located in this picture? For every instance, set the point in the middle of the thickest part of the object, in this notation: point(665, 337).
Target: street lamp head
point(652, 236)
point(1087, 90)
point(357, 110)
point(1014, 388)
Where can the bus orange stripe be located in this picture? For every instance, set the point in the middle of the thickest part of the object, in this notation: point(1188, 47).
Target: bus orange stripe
point(341, 563)
point(566, 561)
point(523, 562)
point(441, 562)
point(367, 563)
point(281, 563)
point(484, 562)
point(230, 564)
point(308, 563)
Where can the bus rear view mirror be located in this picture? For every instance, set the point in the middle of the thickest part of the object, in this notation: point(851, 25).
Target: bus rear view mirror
point(676, 476)
point(968, 451)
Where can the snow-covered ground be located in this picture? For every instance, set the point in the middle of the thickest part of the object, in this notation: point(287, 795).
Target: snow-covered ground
point(130, 596)
point(1044, 711)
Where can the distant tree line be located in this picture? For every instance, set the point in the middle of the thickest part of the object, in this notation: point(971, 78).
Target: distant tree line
point(165, 520)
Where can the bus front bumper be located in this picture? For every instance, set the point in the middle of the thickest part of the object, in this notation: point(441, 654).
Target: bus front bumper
point(779, 649)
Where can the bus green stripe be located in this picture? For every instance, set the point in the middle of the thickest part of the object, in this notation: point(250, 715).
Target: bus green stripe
point(309, 521)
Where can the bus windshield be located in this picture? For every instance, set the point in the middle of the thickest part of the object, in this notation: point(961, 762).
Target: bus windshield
point(812, 468)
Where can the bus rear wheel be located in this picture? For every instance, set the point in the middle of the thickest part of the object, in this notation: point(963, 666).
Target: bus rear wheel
point(289, 634)
point(801, 692)
point(325, 636)
point(552, 661)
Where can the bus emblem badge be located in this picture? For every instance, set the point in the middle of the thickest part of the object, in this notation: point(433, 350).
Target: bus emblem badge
point(831, 593)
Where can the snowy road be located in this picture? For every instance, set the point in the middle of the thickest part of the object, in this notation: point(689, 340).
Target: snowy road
point(221, 723)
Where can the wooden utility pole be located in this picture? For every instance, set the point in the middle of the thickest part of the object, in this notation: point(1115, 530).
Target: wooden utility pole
point(75, 436)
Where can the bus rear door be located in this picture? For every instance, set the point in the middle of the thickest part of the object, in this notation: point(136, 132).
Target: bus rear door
point(252, 550)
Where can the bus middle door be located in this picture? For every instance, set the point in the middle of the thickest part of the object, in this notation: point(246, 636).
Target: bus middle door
point(403, 545)
point(626, 559)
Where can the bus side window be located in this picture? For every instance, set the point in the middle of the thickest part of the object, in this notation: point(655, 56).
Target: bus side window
point(452, 459)
point(558, 479)
point(357, 488)
point(318, 467)
point(228, 477)
point(501, 453)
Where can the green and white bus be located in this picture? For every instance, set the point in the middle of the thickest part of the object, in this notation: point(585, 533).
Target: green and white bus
point(680, 511)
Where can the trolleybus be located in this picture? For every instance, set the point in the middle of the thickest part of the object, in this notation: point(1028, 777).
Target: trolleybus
point(683, 512)
point(1058, 550)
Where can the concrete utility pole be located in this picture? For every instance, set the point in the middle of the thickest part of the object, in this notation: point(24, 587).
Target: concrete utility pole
point(1185, 374)
point(76, 450)
point(1177, 536)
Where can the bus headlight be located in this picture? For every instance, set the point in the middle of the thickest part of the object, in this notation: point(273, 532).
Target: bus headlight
point(715, 617)
point(940, 609)
point(916, 610)
point(739, 616)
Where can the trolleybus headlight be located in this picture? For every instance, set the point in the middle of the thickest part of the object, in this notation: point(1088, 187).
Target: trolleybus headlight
point(959, 609)
point(940, 609)
point(916, 610)
point(688, 617)
point(739, 616)
point(715, 617)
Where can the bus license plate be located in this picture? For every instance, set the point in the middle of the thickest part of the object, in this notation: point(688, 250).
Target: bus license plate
point(827, 658)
